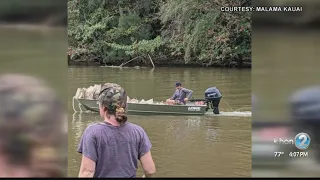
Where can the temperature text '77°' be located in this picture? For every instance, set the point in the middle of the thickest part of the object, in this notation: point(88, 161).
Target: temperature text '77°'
point(278, 154)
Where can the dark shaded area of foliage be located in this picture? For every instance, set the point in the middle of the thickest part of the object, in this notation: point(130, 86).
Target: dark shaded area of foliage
point(172, 32)
point(49, 12)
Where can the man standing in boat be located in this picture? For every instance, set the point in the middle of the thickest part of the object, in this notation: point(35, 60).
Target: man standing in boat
point(181, 96)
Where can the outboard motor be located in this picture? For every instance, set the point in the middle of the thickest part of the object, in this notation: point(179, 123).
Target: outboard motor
point(305, 106)
point(213, 96)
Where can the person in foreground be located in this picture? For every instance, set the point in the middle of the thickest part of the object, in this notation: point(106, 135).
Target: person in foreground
point(181, 96)
point(113, 147)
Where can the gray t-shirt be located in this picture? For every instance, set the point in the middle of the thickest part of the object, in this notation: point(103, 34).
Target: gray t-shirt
point(182, 93)
point(116, 150)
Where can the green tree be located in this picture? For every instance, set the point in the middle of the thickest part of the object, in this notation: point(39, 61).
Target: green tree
point(171, 31)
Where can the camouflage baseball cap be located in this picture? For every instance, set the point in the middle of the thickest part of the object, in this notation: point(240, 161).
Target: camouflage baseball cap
point(31, 122)
point(113, 96)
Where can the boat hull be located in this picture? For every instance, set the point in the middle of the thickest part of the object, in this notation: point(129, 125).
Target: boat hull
point(135, 108)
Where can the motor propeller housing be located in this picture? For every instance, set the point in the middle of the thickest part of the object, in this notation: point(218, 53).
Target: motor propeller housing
point(213, 96)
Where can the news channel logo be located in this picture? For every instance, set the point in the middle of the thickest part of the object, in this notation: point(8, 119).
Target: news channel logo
point(302, 141)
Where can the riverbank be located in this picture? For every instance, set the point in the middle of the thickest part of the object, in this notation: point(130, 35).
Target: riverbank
point(176, 63)
point(30, 27)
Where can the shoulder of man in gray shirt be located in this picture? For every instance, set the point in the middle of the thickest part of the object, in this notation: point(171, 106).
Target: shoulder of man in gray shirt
point(116, 150)
point(188, 92)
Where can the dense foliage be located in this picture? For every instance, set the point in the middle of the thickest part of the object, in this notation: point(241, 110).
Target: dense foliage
point(170, 31)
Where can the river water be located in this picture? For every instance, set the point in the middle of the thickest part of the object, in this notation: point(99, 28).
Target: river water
point(38, 52)
point(183, 146)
